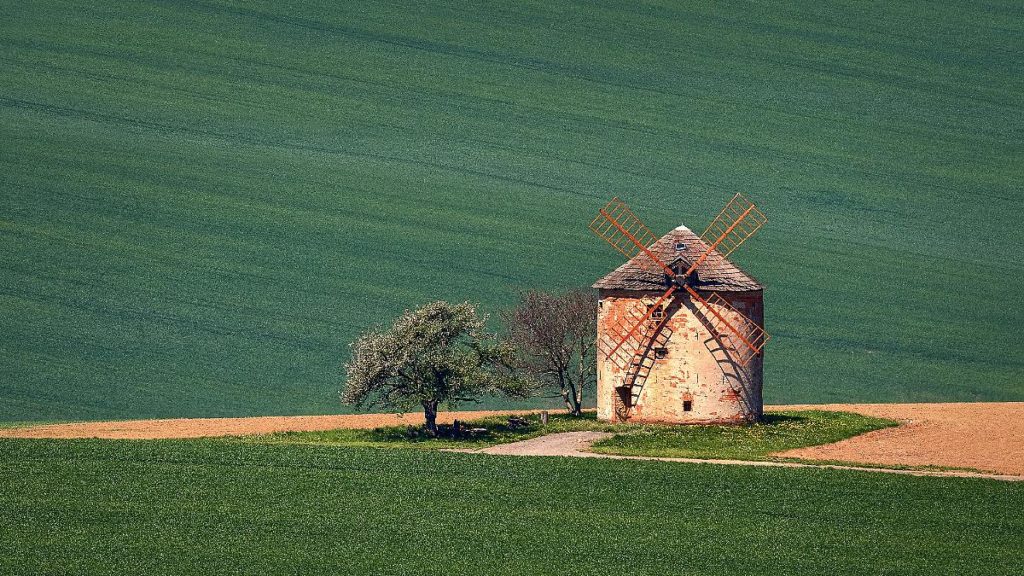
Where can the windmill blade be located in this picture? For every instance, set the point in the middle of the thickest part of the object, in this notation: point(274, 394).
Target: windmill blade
point(609, 337)
point(743, 337)
point(608, 344)
point(634, 337)
point(739, 220)
point(633, 350)
point(617, 225)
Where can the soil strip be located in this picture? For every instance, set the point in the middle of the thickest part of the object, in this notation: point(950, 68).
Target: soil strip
point(983, 436)
point(213, 427)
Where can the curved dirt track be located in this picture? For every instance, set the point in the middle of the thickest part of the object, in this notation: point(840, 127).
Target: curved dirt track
point(984, 436)
point(577, 444)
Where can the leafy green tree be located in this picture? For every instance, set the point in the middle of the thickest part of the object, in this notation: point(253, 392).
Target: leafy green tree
point(438, 354)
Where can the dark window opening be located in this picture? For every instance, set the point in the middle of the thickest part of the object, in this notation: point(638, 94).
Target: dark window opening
point(660, 352)
point(687, 405)
point(658, 312)
point(625, 396)
point(680, 246)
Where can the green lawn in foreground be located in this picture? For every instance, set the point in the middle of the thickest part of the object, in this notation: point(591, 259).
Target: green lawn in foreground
point(779, 431)
point(202, 203)
point(209, 507)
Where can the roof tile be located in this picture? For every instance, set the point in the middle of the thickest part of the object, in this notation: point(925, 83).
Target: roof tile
point(679, 248)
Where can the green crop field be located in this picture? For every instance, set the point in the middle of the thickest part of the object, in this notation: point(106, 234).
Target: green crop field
point(117, 507)
point(201, 203)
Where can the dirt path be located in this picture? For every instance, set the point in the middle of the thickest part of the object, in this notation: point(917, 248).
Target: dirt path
point(984, 436)
point(207, 427)
point(575, 444)
point(561, 444)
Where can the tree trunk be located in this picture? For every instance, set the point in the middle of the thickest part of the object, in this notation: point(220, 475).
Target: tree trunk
point(582, 380)
point(573, 404)
point(567, 395)
point(567, 399)
point(430, 416)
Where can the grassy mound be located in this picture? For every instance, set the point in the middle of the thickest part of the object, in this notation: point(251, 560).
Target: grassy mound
point(779, 431)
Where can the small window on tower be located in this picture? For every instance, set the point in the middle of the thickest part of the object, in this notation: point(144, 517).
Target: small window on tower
point(625, 394)
point(658, 312)
point(660, 353)
point(687, 405)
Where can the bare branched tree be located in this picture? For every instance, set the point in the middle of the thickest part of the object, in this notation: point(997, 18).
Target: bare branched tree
point(436, 355)
point(556, 335)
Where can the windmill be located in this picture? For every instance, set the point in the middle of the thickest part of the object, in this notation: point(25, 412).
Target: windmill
point(681, 316)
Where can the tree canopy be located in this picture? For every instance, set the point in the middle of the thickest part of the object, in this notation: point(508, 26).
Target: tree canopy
point(438, 354)
point(556, 335)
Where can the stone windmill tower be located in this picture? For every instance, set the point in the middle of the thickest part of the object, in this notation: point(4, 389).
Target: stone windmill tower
point(679, 326)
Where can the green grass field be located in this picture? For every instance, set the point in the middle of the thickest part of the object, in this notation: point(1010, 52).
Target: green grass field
point(116, 507)
point(203, 202)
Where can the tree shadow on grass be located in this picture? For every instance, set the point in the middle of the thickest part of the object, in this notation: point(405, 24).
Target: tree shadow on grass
point(782, 419)
point(468, 432)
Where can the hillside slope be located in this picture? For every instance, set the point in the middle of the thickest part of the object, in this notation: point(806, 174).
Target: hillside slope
point(203, 203)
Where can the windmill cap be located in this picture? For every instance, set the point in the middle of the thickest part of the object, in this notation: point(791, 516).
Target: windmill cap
point(681, 246)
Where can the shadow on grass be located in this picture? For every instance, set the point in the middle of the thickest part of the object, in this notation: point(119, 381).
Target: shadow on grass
point(771, 419)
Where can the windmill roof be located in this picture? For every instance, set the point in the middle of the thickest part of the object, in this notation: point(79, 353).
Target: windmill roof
point(679, 249)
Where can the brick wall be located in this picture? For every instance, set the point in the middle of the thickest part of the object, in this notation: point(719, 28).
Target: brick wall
point(696, 380)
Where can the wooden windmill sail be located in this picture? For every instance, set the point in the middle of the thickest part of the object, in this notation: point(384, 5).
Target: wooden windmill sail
point(628, 346)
